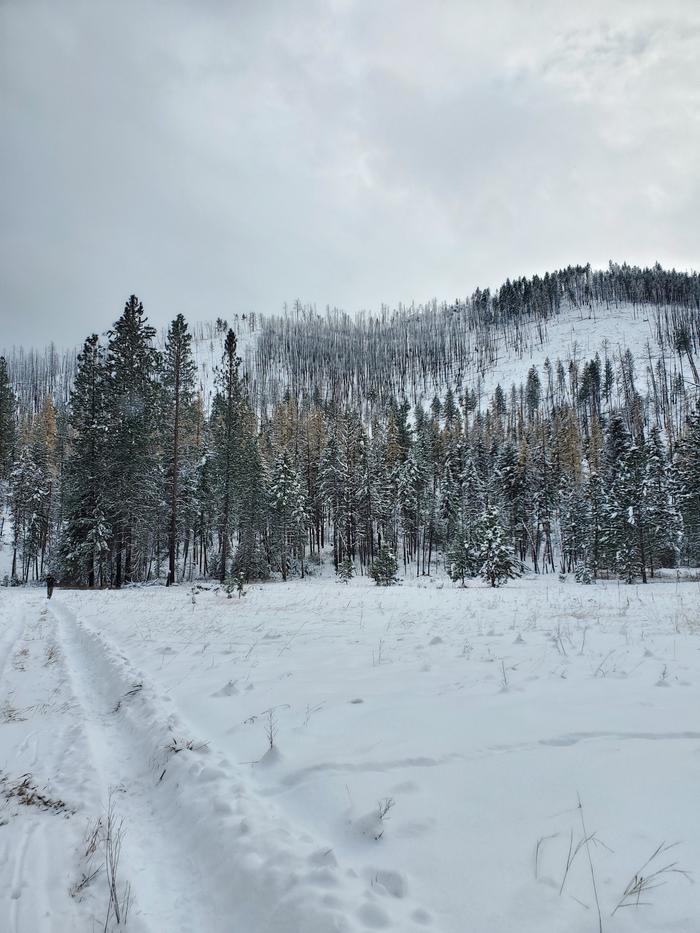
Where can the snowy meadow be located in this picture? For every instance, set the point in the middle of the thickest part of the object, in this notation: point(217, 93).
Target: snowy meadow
point(320, 756)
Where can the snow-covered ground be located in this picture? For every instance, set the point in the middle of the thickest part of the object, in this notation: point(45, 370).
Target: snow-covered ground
point(477, 718)
point(575, 334)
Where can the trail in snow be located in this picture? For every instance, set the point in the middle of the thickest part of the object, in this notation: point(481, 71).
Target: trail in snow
point(36, 845)
point(170, 889)
point(200, 852)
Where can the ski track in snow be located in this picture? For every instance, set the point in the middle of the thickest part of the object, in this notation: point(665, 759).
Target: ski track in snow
point(29, 857)
point(200, 852)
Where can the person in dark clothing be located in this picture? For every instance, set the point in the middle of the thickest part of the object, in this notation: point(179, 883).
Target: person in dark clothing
point(50, 583)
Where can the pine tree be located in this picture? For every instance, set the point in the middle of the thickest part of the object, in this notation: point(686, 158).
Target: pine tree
point(29, 499)
point(44, 448)
point(582, 573)
point(225, 433)
point(340, 480)
point(373, 497)
point(180, 414)
point(626, 518)
point(498, 562)
point(687, 485)
point(472, 500)
point(384, 567)
point(509, 487)
point(462, 557)
point(86, 536)
point(289, 511)
point(574, 524)
point(665, 526)
point(410, 488)
point(533, 392)
point(449, 501)
point(595, 530)
point(134, 415)
point(250, 487)
point(346, 570)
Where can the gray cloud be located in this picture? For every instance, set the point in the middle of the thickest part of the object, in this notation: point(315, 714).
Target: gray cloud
point(217, 157)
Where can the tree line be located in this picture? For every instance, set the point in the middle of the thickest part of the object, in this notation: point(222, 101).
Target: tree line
point(140, 477)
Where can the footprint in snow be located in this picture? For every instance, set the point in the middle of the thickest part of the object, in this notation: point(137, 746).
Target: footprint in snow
point(323, 858)
point(386, 881)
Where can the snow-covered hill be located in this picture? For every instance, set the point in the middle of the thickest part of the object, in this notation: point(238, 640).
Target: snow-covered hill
point(575, 334)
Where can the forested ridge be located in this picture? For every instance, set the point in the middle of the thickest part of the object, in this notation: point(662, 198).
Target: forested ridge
point(245, 450)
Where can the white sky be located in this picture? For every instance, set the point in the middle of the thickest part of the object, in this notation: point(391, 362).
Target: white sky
point(218, 156)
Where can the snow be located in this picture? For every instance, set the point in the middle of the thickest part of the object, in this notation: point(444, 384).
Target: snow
point(476, 718)
point(575, 333)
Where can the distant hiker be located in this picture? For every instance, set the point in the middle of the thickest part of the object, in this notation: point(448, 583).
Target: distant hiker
point(50, 583)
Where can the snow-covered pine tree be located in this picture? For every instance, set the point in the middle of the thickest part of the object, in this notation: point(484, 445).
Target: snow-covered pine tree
point(29, 500)
point(472, 500)
point(496, 557)
point(410, 488)
point(43, 442)
point(312, 441)
point(462, 556)
point(250, 486)
point(664, 523)
point(331, 491)
point(542, 483)
point(533, 392)
point(346, 569)
point(626, 519)
point(384, 567)
point(225, 449)
point(686, 472)
point(86, 536)
point(350, 438)
point(449, 501)
point(340, 481)
point(594, 542)
point(574, 524)
point(134, 414)
point(179, 427)
point(370, 504)
point(582, 573)
point(289, 512)
point(508, 485)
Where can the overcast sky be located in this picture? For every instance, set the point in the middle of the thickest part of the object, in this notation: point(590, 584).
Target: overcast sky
point(216, 157)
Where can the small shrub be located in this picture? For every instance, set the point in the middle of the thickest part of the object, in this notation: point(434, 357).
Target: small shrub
point(583, 573)
point(384, 568)
point(346, 569)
